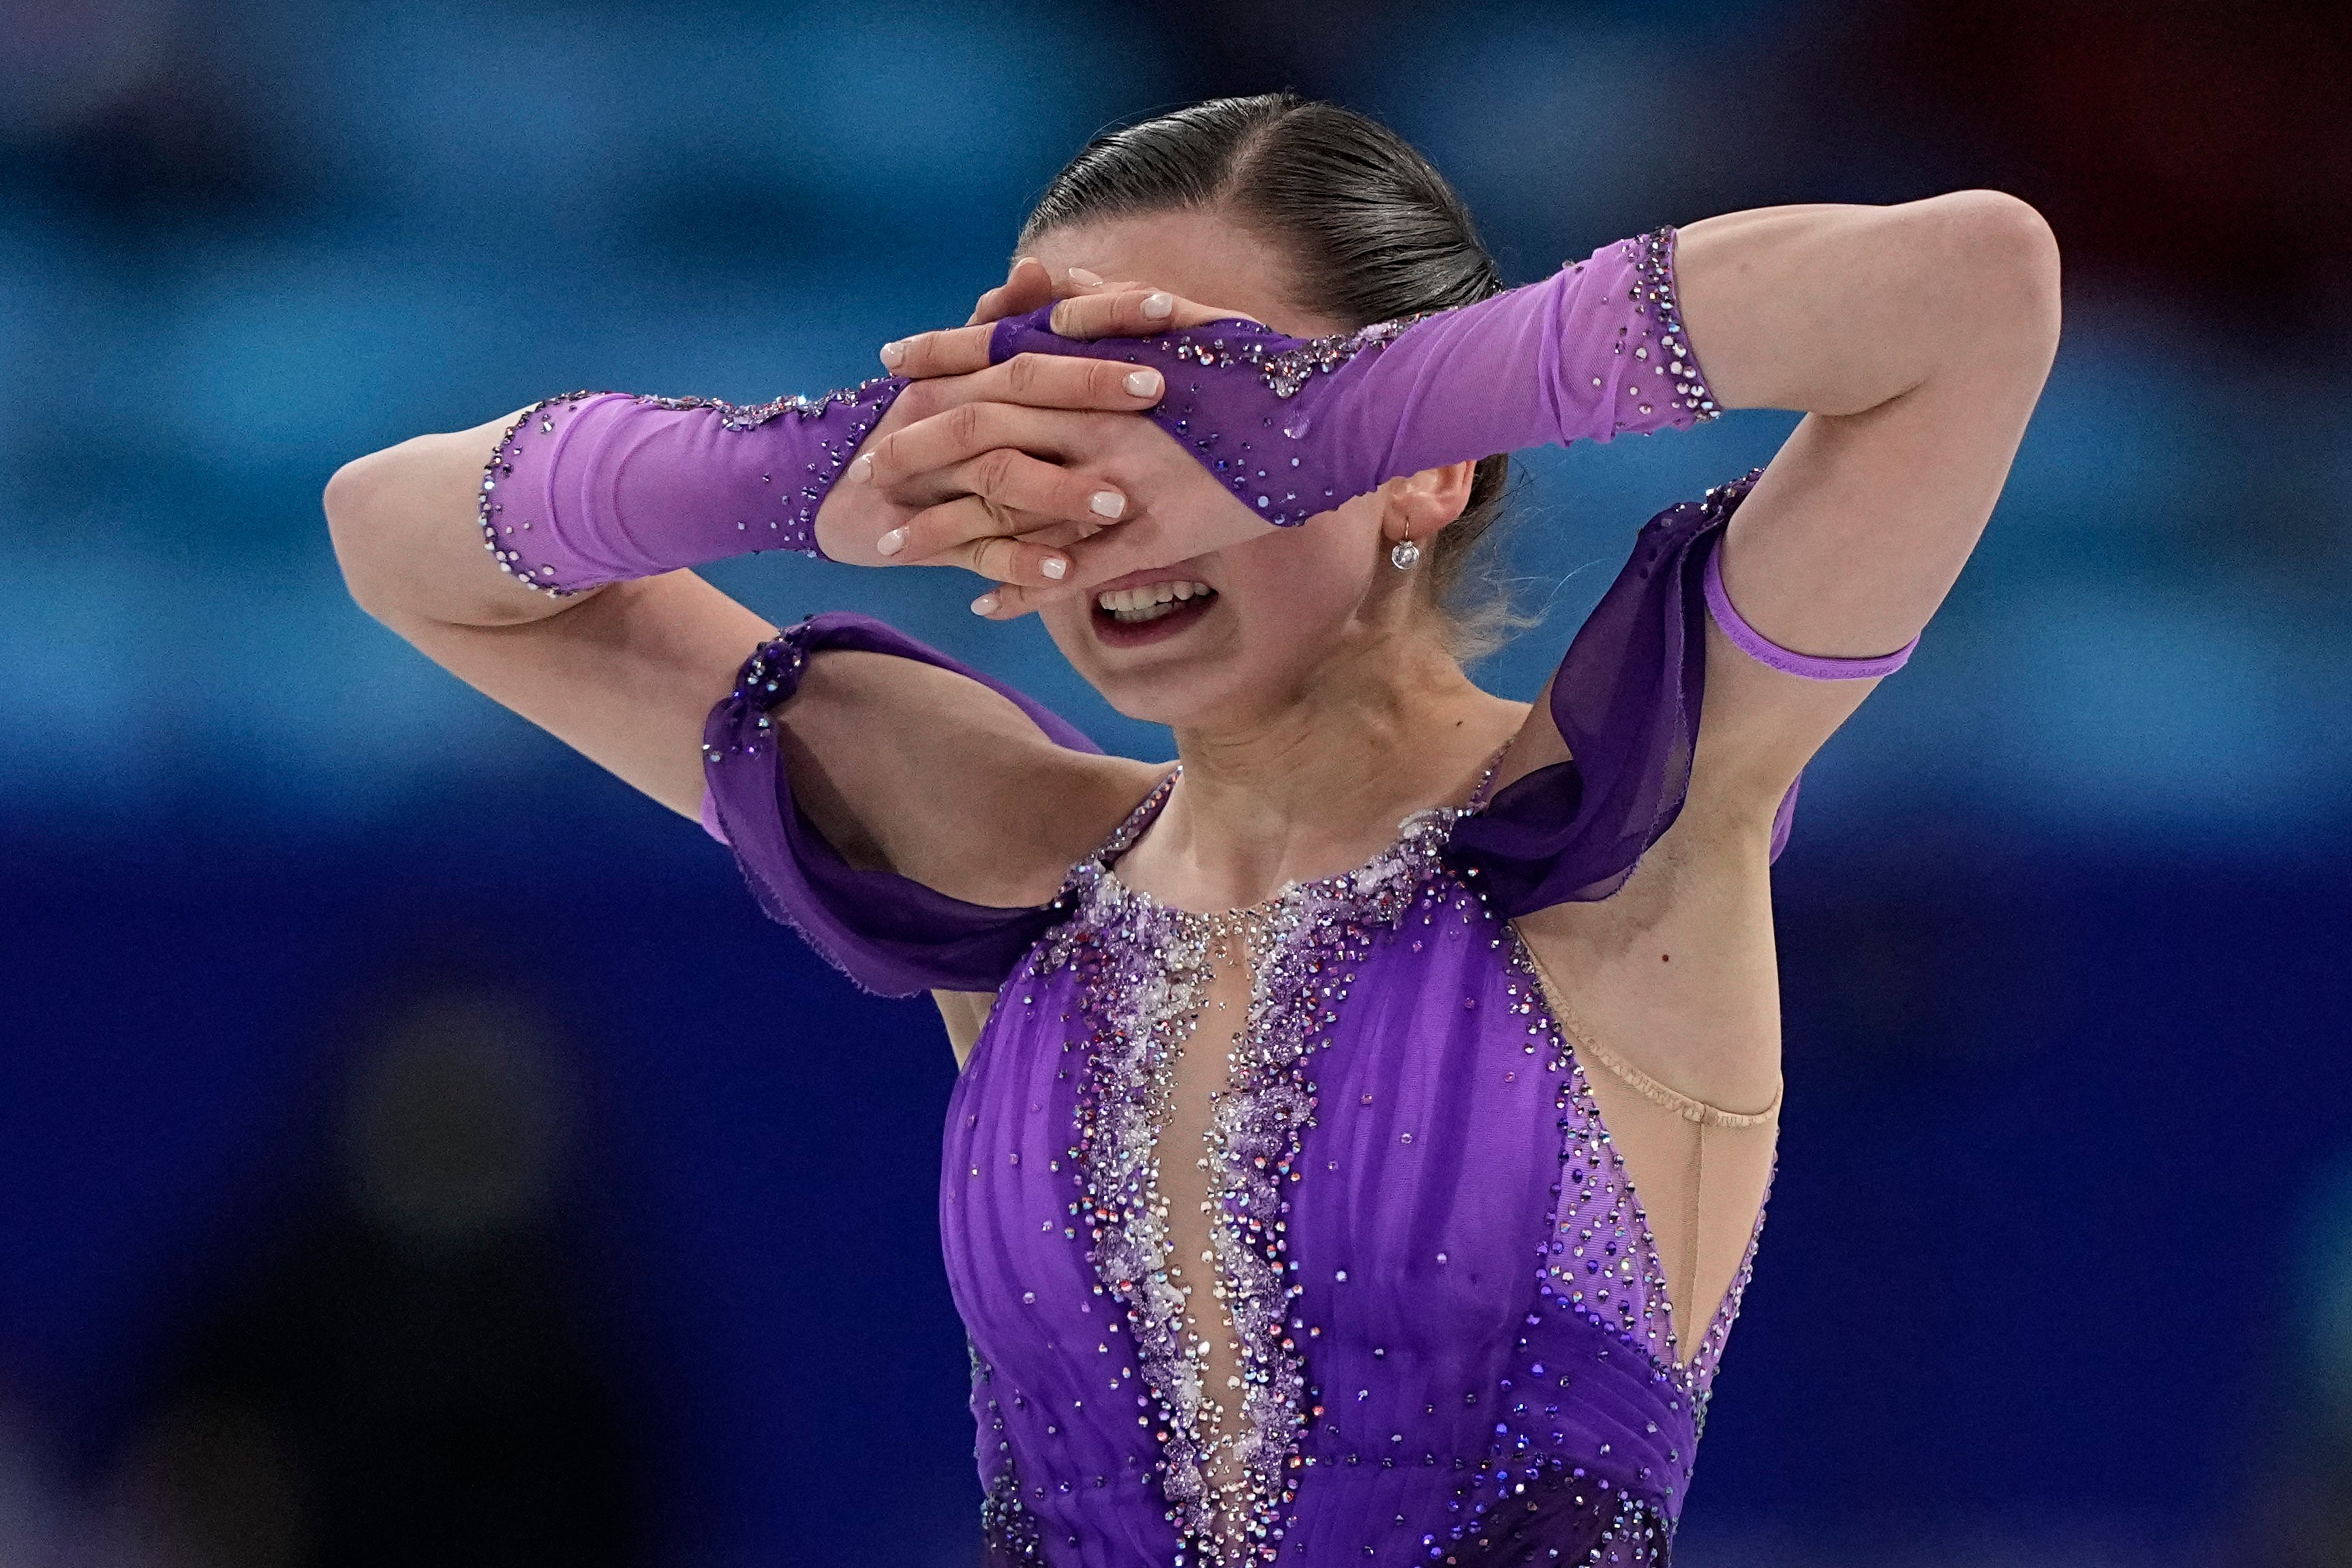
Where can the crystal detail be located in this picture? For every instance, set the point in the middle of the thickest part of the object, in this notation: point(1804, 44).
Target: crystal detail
point(1652, 255)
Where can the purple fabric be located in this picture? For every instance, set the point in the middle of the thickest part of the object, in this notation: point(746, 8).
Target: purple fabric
point(1626, 701)
point(1441, 1275)
point(887, 933)
point(1295, 426)
point(595, 487)
point(1457, 1343)
point(1764, 650)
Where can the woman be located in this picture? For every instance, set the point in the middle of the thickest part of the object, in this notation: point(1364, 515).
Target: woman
point(1364, 1124)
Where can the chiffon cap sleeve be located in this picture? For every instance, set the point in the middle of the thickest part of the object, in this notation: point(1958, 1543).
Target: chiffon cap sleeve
point(1626, 702)
point(888, 934)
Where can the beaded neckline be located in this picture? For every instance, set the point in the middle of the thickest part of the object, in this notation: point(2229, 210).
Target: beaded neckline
point(1426, 828)
point(1227, 1467)
point(1227, 1472)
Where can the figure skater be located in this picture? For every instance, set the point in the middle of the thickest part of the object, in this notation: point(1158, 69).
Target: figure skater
point(1364, 1123)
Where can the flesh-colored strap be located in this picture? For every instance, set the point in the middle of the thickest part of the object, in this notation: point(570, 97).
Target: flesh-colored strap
point(1674, 1100)
point(1590, 1049)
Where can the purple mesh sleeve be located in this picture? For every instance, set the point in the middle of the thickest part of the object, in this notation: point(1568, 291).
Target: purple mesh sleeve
point(1626, 701)
point(594, 487)
point(1764, 650)
point(887, 933)
point(1295, 426)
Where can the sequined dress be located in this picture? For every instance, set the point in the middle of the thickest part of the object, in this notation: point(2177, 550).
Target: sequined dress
point(1450, 1334)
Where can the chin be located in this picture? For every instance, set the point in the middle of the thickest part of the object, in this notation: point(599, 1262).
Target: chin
point(1171, 664)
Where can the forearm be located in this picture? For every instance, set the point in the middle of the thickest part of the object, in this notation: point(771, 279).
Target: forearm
point(590, 488)
point(1838, 309)
point(1292, 426)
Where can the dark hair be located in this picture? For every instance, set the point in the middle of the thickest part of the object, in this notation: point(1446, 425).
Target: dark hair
point(1373, 232)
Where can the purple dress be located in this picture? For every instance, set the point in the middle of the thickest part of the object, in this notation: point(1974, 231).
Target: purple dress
point(1450, 1315)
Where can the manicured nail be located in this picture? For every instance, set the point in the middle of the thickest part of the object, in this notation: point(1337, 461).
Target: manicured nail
point(985, 605)
point(891, 543)
point(1054, 567)
point(1143, 383)
point(1080, 275)
point(892, 353)
point(861, 469)
point(1157, 306)
point(1106, 503)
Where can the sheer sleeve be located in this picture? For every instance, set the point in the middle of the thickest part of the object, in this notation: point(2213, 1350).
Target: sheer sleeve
point(887, 933)
point(1626, 702)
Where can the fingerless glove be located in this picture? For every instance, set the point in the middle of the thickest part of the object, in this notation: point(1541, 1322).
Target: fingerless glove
point(1294, 426)
point(595, 487)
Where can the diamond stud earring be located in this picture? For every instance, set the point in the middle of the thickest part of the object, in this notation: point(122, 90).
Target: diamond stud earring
point(1405, 555)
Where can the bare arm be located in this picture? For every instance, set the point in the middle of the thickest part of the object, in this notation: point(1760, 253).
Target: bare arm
point(624, 674)
point(900, 765)
point(1916, 339)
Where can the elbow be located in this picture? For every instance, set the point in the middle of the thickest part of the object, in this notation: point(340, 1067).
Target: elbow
point(354, 502)
point(346, 497)
point(2001, 255)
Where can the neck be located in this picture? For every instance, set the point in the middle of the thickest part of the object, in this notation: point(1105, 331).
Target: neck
point(1317, 784)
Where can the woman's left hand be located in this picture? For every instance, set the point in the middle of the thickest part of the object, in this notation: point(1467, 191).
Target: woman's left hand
point(1177, 509)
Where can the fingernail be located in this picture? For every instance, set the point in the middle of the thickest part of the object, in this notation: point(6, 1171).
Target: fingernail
point(1054, 566)
point(891, 543)
point(892, 353)
point(1157, 304)
point(1106, 503)
point(861, 469)
point(985, 605)
point(1080, 275)
point(1143, 383)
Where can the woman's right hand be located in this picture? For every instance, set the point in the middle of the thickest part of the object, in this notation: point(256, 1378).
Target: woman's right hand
point(986, 470)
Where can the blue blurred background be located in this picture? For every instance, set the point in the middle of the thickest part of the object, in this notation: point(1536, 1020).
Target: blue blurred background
point(414, 1147)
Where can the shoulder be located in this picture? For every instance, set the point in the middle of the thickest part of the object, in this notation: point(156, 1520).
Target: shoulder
point(1601, 767)
point(879, 785)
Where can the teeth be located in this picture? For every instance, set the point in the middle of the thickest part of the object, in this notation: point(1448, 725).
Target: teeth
point(1150, 601)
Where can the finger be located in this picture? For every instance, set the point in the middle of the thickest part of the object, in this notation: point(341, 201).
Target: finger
point(1132, 312)
point(951, 351)
point(923, 450)
point(1088, 564)
point(1145, 542)
point(1011, 601)
point(1039, 531)
point(1027, 285)
point(1062, 534)
point(1020, 282)
point(1054, 381)
point(1045, 492)
point(966, 519)
point(1027, 495)
point(1008, 562)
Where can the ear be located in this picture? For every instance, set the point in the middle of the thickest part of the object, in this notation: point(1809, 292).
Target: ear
point(1417, 505)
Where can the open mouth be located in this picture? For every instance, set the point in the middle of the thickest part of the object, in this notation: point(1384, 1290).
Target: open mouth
point(1124, 617)
point(1133, 606)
